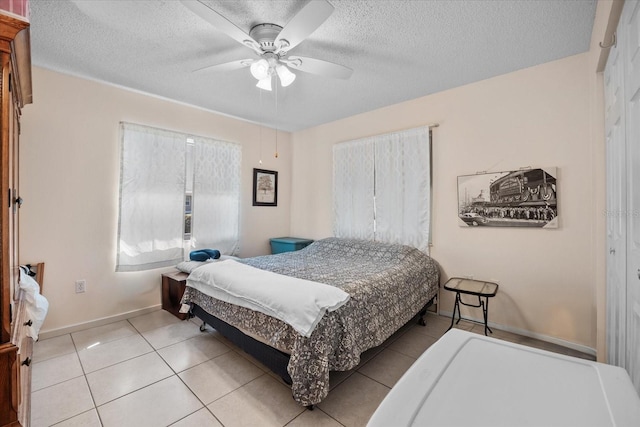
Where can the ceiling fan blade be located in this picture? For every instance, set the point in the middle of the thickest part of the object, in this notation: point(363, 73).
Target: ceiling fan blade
point(221, 23)
point(319, 67)
point(227, 66)
point(304, 23)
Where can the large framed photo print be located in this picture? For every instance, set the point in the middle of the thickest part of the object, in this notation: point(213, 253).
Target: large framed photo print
point(265, 187)
point(522, 198)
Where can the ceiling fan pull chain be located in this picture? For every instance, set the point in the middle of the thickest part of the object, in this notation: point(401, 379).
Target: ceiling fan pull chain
point(260, 161)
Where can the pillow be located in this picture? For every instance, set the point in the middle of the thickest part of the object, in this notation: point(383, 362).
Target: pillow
point(204, 254)
point(189, 266)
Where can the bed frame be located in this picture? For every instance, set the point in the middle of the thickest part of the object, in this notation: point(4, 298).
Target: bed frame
point(272, 358)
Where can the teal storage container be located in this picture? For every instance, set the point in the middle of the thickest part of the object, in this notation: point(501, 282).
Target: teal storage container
point(288, 244)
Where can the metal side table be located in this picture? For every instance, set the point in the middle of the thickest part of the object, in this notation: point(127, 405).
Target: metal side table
point(478, 288)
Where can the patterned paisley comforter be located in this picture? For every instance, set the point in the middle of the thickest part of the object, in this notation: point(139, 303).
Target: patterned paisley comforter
point(388, 285)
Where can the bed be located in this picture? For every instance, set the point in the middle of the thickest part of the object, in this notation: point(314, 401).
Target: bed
point(387, 285)
point(469, 379)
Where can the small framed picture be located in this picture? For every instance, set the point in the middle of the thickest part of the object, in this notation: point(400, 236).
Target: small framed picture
point(265, 187)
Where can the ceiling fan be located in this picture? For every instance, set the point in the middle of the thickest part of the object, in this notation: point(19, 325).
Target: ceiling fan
point(272, 43)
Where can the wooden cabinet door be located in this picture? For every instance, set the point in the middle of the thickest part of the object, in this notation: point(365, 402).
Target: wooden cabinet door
point(9, 384)
point(6, 288)
point(14, 205)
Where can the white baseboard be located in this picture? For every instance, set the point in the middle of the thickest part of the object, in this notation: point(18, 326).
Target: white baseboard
point(578, 347)
point(51, 333)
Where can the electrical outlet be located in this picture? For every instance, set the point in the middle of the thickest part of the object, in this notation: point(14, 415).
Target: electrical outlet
point(81, 286)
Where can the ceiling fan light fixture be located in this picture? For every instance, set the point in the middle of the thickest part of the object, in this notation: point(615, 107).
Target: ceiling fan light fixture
point(285, 75)
point(265, 83)
point(260, 69)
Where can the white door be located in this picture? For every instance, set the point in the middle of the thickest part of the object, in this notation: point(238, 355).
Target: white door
point(630, 29)
point(616, 207)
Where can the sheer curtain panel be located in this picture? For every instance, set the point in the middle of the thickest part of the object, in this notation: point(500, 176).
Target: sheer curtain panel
point(382, 188)
point(353, 192)
point(216, 195)
point(152, 189)
point(402, 183)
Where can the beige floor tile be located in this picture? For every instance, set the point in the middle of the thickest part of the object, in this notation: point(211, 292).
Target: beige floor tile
point(413, 343)
point(337, 377)
point(193, 351)
point(400, 332)
point(465, 325)
point(102, 334)
point(60, 402)
point(210, 329)
point(479, 329)
point(117, 380)
point(53, 347)
point(86, 419)
point(198, 321)
point(315, 418)
point(431, 316)
point(153, 320)
point(387, 367)
point(354, 401)
point(581, 355)
point(213, 379)
point(277, 378)
point(554, 348)
point(262, 402)
point(54, 371)
point(171, 334)
point(199, 418)
point(543, 345)
point(370, 354)
point(160, 404)
point(435, 326)
point(249, 357)
point(507, 336)
point(226, 341)
point(103, 355)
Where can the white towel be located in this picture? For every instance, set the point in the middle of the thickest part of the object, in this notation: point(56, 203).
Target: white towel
point(36, 306)
point(298, 302)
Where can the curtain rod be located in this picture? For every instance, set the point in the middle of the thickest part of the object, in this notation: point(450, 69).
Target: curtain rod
point(433, 125)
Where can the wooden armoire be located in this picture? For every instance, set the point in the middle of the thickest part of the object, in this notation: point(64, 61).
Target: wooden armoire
point(15, 346)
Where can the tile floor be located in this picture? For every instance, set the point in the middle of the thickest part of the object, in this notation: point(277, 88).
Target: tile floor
point(155, 370)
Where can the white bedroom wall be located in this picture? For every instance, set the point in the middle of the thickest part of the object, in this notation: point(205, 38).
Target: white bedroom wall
point(69, 172)
point(536, 117)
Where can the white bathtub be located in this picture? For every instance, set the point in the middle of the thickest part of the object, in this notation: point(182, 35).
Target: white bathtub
point(465, 379)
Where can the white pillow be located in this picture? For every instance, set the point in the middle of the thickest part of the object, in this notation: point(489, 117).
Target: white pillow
point(189, 266)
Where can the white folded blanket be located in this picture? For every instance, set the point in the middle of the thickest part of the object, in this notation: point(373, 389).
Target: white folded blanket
point(298, 302)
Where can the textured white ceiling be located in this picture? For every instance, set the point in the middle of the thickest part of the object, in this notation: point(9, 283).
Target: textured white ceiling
point(399, 50)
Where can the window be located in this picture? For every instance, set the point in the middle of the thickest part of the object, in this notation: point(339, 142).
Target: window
point(173, 188)
point(188, 198)
point(382, 188)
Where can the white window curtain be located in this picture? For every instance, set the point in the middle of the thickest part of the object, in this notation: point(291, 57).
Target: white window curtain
point(353, 194)
point(382, 188)
point(216, 195)
point(152, 189)
point(403, 190)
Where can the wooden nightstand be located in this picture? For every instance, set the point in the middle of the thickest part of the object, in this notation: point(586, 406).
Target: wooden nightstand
point(173, 285)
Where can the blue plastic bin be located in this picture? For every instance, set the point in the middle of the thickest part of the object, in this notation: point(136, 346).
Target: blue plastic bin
point(288, 244)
